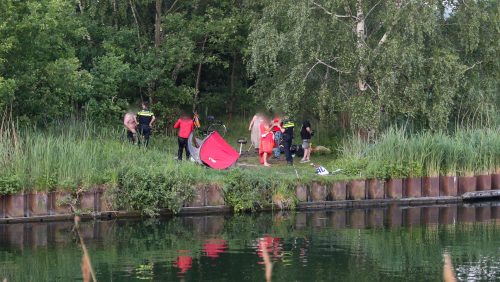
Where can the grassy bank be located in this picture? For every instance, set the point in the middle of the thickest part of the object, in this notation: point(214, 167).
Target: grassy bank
point(398, 154)
point(79, 156)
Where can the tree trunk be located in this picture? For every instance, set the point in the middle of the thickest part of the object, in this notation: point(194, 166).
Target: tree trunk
point(158, 32)
point(361, 44)
point(115, 14)
point(230, 102)
point(80, 6)
point(198, 76)
point(175, 72)
point(134, 14)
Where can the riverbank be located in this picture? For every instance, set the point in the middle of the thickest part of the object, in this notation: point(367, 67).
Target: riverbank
point(96, 204)
point(79, 159)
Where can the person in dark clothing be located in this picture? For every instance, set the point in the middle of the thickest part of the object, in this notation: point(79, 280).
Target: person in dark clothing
point(186, 126)
point(306, 134)
point(145, 119)
point(288, 137)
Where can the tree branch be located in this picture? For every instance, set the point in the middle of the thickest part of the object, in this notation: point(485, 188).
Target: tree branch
point(388, 32)
point(330, 67)
point(330, 13)
point(367, 14)
point(310, 69)
point(134, 13)
point(473, 66)
point(171, 7)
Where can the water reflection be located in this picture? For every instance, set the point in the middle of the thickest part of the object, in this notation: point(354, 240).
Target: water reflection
point(386, 243)
point(214, 247)
point(272, 245)
point(184, 262)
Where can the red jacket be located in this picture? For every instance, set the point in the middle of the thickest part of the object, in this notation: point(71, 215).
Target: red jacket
point(186, 127)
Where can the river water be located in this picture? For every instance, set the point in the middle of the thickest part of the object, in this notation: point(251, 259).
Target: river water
point(381, 244)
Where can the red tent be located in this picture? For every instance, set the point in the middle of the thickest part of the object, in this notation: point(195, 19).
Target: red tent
point(213, 151)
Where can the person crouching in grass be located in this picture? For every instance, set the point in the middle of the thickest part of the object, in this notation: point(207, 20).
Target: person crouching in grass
point(185, 125)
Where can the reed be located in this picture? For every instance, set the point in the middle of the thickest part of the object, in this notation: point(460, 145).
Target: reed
point(398, 153)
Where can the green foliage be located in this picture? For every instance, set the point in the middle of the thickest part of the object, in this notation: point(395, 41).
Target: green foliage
point(246, 191)
point(353, 167)
point(284, 195)
point(9, 184)
point(148, 189)
point(427, 63)
point(397, 154)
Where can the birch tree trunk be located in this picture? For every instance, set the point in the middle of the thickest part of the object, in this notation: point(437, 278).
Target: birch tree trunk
point(158, 23)
point(361, 44)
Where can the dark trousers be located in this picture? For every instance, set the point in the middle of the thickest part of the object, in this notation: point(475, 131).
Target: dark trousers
point(288, 154)
point(145, 131)
point(183, 145)
point(131, 137)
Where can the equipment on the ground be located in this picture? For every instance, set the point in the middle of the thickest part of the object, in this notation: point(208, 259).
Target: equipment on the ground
point(212, 151)
point(242, 141)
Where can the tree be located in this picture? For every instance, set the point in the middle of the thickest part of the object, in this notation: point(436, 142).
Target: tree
point(375, 60)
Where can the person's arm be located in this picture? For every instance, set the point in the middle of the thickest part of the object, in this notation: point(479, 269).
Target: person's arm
point(152, 120)
point(251, 123)
point(177, 123)
point(308, 129)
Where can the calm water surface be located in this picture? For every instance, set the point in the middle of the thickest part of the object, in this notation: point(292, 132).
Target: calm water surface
point(386, 244)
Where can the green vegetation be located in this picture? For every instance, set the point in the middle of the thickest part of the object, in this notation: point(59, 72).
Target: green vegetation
point(80, 156)
point(362, 67)
point(398, 154)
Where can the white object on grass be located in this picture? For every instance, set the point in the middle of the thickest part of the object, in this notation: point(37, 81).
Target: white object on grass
point(320, 170)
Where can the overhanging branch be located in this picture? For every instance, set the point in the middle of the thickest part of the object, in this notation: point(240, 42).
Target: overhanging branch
point(330, 67)
point(330, 13)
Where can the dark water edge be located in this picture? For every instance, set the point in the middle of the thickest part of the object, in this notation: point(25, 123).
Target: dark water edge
point(377, 244)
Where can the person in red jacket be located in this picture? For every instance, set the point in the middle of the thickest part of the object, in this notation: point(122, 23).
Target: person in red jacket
point(185, 125)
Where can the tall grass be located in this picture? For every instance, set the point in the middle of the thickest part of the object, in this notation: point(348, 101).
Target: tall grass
point(467, 151)
point(76, 155)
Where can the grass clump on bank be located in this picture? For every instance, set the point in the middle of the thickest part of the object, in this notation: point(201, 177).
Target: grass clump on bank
point(399, 154)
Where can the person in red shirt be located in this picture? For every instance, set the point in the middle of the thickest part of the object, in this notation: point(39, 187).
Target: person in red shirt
point(185, 125)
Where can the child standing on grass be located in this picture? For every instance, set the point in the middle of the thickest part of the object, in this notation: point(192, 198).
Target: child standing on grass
point(186, 126)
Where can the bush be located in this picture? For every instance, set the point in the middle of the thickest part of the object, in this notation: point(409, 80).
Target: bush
point(246, 190)
point(284, 195)
point(9, 184)
point(149, 189)
point(353, 167)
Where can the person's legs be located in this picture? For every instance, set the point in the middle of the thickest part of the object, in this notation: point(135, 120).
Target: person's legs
point(140, 135)
point(264, 157)
point(181, 146)
point(288, 154)
point(130, 136)
point(147, 134)
point(306, 145)
point(188, 155)
point(277, 140)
